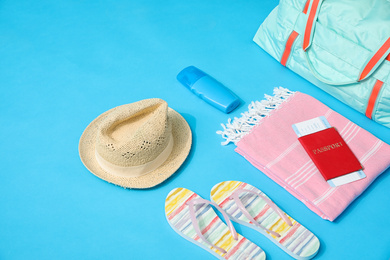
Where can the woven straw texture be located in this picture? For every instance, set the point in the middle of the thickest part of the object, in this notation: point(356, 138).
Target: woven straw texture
point(132, 135)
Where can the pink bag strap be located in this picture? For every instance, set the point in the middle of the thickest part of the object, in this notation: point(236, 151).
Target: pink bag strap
point(306, 7)
point(378, 57)
point(309, 30)
point(371, 64)
point(191, 204)
point(372, 100)
point(236, 197)
point(287, 51)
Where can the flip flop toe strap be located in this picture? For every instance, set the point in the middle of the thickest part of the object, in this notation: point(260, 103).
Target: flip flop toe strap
point(236, 197)
point(191, 204)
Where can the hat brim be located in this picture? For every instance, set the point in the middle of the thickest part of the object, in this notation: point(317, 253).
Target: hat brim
point(182, 138)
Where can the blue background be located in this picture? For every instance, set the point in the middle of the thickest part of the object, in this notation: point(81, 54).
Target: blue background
point(62, 63)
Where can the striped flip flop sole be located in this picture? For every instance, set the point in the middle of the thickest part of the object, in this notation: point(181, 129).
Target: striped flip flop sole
point(211, 226)
point(295, 240)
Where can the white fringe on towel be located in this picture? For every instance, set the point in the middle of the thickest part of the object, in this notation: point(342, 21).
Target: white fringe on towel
point(234, 131)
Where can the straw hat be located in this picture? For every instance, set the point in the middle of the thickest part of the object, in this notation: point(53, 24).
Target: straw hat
point(137, 145)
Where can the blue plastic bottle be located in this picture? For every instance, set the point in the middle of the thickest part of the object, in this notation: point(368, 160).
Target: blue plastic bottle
point(208, 89)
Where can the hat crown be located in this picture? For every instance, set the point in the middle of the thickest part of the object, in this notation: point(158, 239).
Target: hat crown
point(134, 134)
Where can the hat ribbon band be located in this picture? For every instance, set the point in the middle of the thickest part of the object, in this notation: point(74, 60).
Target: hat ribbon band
point(139, 170)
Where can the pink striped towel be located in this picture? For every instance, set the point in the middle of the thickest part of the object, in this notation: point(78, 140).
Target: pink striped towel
point(264, 136)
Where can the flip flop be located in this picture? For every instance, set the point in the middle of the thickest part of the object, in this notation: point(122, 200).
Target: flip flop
point(249, 206)
point(194, 219)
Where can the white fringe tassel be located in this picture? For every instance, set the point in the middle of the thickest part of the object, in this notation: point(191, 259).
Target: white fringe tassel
point(234, 131)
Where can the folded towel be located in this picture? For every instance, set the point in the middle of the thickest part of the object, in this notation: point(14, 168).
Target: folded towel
point(264, 136)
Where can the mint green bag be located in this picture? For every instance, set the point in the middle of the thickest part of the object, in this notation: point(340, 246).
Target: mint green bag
point(341, 46)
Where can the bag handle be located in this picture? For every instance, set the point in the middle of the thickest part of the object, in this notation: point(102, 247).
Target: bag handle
point(370, 66)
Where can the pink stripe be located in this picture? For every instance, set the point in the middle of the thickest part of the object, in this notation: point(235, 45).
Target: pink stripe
point(177, 211)
point(226, 200)
point(290, 233)
point(208, 227)
point(235, 248)
point(262, 212)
